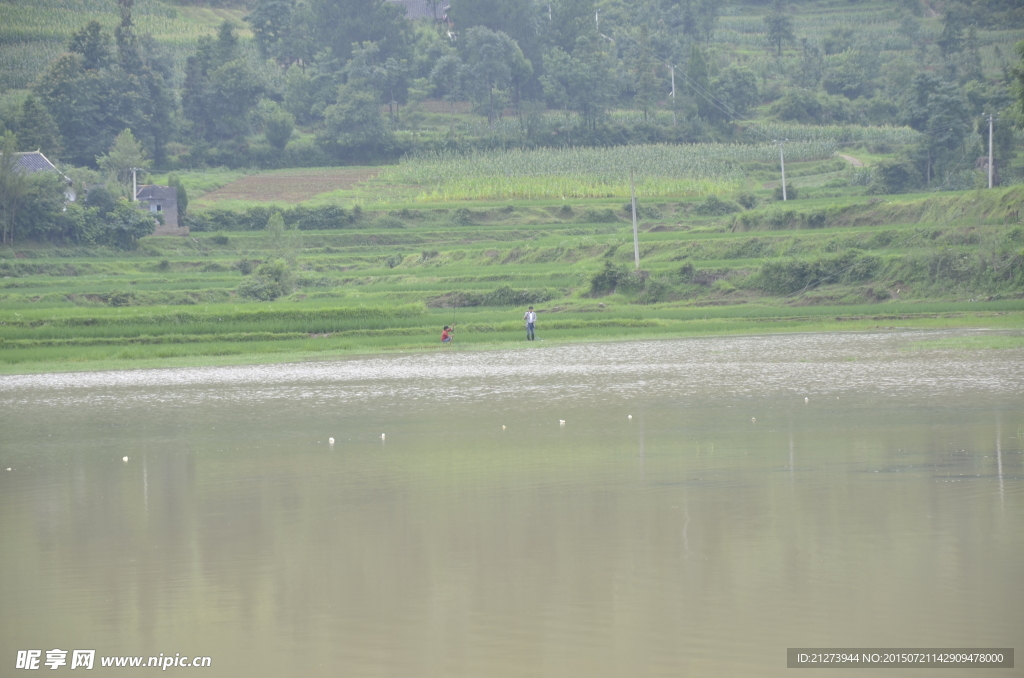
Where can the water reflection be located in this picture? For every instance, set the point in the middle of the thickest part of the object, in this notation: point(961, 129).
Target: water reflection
point(685, 540)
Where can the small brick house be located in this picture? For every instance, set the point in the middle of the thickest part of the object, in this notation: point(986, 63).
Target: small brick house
point(162, 200)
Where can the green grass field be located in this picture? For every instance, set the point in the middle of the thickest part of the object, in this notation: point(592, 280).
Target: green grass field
point(390, 280)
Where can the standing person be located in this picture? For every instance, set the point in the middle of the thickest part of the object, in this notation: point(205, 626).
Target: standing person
point(530, 319)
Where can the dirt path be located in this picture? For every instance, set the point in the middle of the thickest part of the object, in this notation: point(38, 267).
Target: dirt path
point(852, 160)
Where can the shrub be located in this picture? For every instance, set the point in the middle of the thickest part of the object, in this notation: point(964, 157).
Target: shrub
point(219, 239)
point(714, 206)
point(791, 192)
point(894, 176)
point(385, 221)
point(393, 260)
point(272, 280)
point(747, 199)
point(606, 280)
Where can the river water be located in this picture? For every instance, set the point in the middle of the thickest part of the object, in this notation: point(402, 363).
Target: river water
point(726, 520)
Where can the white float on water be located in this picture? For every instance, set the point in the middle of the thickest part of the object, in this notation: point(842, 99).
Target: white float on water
point(502, 427)
point(630, 416)
point(561, 422)
point(330, 441)
point(124, 459)
point(382, 436)
point(753, 420)
point(806, 399)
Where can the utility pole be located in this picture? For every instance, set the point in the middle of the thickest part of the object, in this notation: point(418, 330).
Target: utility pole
point(135, 187)
point(990, 159)
point(672, 69)
point(636, 239)
point(782, 163)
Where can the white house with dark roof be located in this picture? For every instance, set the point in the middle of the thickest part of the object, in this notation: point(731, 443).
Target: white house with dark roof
point(34, 161)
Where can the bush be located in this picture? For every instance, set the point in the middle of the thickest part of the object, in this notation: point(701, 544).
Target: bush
point(220, 239)
point(385, 221)
point(272, 280)
point(791, 192)
point(795, 275)
point(894, 176)
point(606, 280)
point(714, 206)
point(747, 199)
point(592, 216)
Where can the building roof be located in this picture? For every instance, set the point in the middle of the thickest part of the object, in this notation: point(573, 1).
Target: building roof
point(35, 161)
point(152, 192)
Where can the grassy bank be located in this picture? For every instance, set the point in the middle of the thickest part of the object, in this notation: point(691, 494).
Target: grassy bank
point(389, 279)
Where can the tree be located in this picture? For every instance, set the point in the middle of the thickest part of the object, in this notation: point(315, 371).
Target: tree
point(954, 21)
point(583, 81)
point(123, 227)
point(697, 75)
point(175, 181)
point(447, 77)
point(93, 44)
point(220, 90)
point(939, 110)
point(93, 96)
point(353, 128)
point(125, 154)
point(779, 26)
point(1018, 75)
point(646, 83)
point(736, 87)
point(517, 19)
point(494, 64)
point(269, 20)
point(13, 186)
point(278, 125)
point(337, 25)
point(36, 128)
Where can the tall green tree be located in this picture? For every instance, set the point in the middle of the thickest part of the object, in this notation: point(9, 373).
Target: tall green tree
point(583, 81)
point(518, 19)
point(125, 154)
point(495, 68)
point(220, 89)
point(270, 21)
point(93, 94)
point(36, 128)
point(13, 187)
point(779, 26)
point(647, 86)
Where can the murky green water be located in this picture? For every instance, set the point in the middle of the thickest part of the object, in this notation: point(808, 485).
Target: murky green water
point(726, 521)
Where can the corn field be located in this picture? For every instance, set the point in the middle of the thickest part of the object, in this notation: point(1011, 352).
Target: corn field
point(660, 170)
point(32, 35)
point(841, 134)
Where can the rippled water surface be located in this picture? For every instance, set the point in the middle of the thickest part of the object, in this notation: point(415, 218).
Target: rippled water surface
point(727, 520)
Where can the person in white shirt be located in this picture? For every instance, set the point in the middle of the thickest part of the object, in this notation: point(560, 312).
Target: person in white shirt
point(530, 319)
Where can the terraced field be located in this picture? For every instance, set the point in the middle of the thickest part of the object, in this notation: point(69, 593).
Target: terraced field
point(394, 277)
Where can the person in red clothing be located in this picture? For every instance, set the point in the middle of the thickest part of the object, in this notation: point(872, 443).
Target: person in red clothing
point(446, 335)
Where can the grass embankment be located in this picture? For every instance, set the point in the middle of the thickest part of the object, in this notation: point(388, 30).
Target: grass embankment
point(390, 279)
